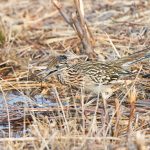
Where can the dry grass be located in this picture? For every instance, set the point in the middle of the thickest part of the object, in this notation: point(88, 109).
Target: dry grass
point(31, 33)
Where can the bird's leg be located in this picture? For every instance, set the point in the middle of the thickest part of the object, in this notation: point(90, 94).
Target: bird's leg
point(106, 92)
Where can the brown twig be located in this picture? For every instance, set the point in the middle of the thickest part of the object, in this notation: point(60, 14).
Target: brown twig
point(77, 21)
point(118, 114)
point(132, 100)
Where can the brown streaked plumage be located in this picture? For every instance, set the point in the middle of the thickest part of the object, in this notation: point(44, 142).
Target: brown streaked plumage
point(91, 75)
point(96, 76)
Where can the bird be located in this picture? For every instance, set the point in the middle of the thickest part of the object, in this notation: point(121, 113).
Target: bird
point(96, 76)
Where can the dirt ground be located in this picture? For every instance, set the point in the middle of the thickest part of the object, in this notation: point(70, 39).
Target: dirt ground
point(41, 113)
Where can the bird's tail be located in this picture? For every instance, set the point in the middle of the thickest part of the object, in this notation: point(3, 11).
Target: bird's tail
point(134, 58)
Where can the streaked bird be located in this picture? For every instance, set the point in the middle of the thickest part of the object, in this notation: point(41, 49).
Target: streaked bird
point(96, 76)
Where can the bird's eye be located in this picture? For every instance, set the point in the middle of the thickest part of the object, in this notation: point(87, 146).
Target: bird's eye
point(57, 66)
point(62, 58)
